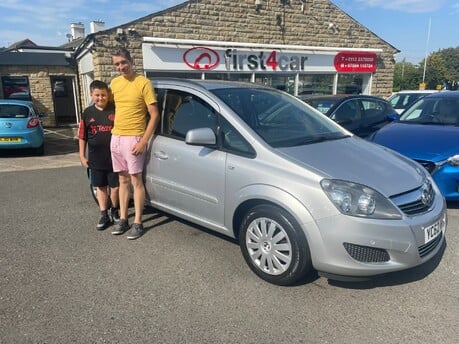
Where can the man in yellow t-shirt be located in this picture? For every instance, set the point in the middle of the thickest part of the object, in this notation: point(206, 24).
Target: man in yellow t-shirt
point(134, 98)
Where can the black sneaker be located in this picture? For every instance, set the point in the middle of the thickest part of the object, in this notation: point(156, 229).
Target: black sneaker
point(104, 222)
point(115, 215)
point(136, 231)
point(120, 227)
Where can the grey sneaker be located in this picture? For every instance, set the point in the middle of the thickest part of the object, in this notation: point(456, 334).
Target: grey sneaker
point(136, 231)
point(115, 215)
point(104, 222)
point(120, 227)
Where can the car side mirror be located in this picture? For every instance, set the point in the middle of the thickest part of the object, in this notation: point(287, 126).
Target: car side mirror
point(393, 117)
point(201, 137)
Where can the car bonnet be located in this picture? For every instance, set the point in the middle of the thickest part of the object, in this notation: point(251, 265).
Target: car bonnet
point(356, 160)
point(419, 141)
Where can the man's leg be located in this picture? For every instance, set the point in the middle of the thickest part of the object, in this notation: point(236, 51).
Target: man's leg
point(137, 230)
point(139, 196)
point(125, 181)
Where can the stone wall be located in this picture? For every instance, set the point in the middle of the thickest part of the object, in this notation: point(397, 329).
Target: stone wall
point(40, 86)
point(315, 23)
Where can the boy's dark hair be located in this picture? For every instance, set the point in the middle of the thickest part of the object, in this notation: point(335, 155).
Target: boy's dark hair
point(100, 85)
point(123, 52)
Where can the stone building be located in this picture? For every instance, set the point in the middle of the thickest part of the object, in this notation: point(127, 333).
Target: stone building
point(44, 75)
point(302, 46)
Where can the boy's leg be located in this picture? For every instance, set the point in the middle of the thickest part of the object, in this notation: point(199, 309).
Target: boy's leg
point(99, 180)
point(102, 198)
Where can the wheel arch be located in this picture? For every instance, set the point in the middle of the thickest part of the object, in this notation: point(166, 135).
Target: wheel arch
point(256, 195)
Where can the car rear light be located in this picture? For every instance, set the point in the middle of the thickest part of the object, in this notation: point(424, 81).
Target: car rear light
point(33, 122)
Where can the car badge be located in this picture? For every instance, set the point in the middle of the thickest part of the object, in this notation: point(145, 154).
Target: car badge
point(8, 125)
point(427, 194)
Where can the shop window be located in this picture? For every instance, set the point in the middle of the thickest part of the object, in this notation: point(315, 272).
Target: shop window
point(180, 75)
point(281, 82)
point(315, 84)
point(16, 87)
point(353, 84)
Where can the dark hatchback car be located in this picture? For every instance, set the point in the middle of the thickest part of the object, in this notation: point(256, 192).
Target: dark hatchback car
point(360, 114)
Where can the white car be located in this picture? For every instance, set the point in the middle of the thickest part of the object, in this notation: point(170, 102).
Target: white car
point(401, 100)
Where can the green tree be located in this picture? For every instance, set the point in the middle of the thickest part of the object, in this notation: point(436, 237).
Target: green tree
point(436, 73)
point(406, 76)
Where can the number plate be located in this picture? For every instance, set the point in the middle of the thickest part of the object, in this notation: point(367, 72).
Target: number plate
point(432, 232)
point(10, 139)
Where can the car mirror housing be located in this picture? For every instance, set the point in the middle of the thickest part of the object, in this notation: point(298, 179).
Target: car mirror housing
point(201, 137)
point(393, 117)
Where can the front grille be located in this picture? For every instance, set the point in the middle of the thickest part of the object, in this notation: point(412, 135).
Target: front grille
point(414, 208)
point(366, 254)
point(416, 201)
point(428, 165)
point(430, 246)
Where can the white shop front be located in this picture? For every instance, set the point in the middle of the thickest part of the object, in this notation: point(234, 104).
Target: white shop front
point(295, 69)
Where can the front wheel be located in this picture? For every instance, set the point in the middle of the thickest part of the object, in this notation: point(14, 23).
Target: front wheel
point(274, 246)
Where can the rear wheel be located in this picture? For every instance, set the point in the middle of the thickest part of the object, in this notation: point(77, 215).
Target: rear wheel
point(274, 246)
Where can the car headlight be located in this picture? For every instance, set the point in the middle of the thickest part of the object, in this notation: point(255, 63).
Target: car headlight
point(359, 200)
point(454, 160)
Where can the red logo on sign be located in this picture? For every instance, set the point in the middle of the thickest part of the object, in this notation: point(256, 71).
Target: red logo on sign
point(353, 62)
point(201, 58)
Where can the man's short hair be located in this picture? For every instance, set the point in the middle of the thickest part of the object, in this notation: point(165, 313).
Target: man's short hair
point(123, 52)
point(98, 84)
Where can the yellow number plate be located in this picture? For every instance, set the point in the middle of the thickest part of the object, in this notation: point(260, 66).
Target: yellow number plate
point(10, 139)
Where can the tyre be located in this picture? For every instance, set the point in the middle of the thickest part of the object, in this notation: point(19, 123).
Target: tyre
point(274, 246)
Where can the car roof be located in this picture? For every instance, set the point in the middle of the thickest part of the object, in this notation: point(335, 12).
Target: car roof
point(416, 91)
point(27, 103)
point(449, 94)
point(339, 97)
point(207, 84)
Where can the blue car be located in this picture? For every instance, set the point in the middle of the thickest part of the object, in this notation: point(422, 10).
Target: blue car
point(20, 126)
point(428, 132)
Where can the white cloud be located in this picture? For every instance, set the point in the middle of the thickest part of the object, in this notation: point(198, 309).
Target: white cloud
point(409, 6)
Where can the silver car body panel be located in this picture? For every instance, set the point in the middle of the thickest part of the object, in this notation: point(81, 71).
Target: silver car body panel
point(206, 186)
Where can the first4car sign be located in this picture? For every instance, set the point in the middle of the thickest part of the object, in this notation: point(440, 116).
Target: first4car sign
point(205, 58)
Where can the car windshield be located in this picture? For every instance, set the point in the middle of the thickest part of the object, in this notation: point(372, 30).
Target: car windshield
point(281, 120)
point(13, 111)
point(402, 100)
point(433, 110)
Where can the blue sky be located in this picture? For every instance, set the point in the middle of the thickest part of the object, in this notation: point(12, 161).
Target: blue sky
point(402, 23)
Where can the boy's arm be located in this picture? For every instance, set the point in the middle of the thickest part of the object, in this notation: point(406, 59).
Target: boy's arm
point(82, 149)
point(82, 144)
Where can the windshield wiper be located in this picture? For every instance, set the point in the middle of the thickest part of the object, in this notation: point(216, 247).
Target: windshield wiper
point(322, 138)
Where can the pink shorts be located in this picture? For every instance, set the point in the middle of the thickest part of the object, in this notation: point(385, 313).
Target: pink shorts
point(122, 158)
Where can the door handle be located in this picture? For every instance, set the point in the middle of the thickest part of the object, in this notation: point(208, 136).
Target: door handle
point(161, 155)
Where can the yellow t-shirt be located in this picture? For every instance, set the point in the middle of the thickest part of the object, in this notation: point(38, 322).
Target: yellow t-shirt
point(131, 99)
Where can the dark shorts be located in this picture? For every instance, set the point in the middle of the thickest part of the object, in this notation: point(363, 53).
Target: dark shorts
point(101, 178)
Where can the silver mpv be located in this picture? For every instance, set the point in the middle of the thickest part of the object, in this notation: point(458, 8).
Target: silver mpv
point(299, 192)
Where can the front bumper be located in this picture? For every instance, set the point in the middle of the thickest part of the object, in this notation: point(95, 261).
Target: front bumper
point(351, 246)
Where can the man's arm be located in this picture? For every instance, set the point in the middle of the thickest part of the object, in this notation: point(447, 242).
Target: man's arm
point(151, 127)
